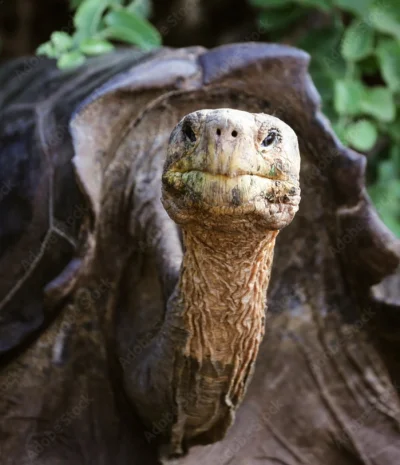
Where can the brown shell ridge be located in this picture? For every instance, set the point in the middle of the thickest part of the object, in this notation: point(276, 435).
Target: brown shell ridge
point(370, 249)
point(153, 76)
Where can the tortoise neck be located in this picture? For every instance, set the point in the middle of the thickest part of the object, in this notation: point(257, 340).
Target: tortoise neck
point(223, 286)
point(199, 364)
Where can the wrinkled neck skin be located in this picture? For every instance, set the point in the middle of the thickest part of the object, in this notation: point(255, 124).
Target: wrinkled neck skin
point(222, 295)
point(198, 368)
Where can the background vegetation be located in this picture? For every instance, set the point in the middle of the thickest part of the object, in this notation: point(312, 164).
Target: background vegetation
point(97, 23)
point(354, 44)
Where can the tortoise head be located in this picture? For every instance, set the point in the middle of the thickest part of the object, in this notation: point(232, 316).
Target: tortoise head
point(232, 169)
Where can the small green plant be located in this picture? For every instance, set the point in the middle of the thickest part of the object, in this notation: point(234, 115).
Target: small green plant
point(355, 50)
point(99, 23)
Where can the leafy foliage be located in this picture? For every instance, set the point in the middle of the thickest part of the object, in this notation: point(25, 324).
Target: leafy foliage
point(99, 23)
point(355, 50)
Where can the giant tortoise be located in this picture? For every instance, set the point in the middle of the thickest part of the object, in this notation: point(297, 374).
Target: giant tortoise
point(130, 324)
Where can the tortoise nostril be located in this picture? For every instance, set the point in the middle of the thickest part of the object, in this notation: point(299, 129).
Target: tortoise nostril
point(234, 133)
point(218, 132)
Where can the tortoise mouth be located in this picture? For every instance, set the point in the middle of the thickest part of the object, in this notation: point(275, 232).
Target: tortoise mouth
point(240, 202)
point(223, 176)
point(233, 190)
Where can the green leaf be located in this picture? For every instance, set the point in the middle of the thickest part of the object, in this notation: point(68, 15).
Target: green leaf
point(386, 171)
point(75, 3)
point(330, 113)
point(348, 96)
point(369, 66)
point(393, 129)
point(379, 102)
point(384, 16)
point(275, 19)
point(388, 53)
point(270, 3)
point(323, 45)
point(61, 41)
point(318, 41)
point(95, 47)
point(47, 49)
point(323, 81)
point(386, 197)
point(358, 41)
point(357, 7)
point(388, 216)
point(70, 60)
point(141, 8)
point(88, 16)
point(131, 28)
point(340, 131)
point(319, 4)
point(395, 158)
point(361, 135)
point(123, 34)
point(334, 65)
point(393, 223)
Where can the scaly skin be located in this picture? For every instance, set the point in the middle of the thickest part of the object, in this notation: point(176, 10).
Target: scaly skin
point(231, 195)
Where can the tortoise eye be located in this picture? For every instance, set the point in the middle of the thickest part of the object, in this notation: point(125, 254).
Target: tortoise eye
point(270, 139)
point(188, 132)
